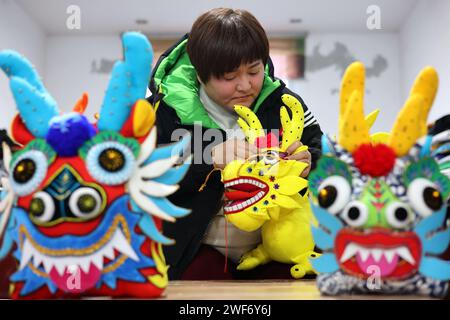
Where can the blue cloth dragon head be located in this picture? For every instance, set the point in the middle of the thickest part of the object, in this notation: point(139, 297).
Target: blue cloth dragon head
point(84, 202)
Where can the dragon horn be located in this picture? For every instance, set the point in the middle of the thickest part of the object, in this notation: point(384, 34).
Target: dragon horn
point(128, 83)
point(411, 123)
point(407, 127)
point(292, 128)
point(353, 128)
point(426, 85)
point(249, 123)
point(372, 117)
point(36, 106)
point(353, 80)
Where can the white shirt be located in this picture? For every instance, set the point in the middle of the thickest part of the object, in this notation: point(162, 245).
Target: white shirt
point(239, 242)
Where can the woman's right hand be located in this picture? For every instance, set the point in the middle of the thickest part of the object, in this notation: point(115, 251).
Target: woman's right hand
point(230, 150)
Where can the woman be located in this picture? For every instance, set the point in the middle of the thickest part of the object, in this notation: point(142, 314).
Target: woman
point(223, 61)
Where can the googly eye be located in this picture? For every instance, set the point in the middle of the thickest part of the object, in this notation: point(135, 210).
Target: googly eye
point(42, 207)
point(28, 172)
point(271, 157)
point(355, 214)
point(398, 215)
point(334, 194)
point(424, 196)
point(110, 162)
point(85, 203)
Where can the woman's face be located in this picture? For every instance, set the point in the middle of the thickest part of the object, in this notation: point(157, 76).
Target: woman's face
point(242, 86)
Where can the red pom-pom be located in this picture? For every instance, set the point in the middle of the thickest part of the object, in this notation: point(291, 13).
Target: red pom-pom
point(374, 160)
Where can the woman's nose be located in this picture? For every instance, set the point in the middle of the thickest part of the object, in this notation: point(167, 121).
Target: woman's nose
point(244, 84)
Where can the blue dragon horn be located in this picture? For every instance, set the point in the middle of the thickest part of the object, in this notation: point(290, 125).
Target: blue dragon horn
point(128, 83)
point(36, 106)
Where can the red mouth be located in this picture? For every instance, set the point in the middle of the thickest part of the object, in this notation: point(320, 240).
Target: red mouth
point(394, 255)
point(242, 193)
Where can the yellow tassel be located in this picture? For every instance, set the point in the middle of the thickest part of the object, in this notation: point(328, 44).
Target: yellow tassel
point(207, 178)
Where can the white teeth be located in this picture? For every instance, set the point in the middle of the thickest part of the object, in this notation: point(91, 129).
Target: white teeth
point(109, 251)
point(405, 254)
point(63, 263)
point(97, 260)
point(37, 259)
point(27, 254)
point(121, 244)
point(85, 265)
point(48, 265)
point(349, 252)
point(244, 204)
point(352, 249)
point(61, 267)
point(247, 181)
point(389, 255)
point(376, 254)
point(364, 254)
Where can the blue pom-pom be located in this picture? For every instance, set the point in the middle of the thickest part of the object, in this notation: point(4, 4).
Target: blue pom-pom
point(67, 133)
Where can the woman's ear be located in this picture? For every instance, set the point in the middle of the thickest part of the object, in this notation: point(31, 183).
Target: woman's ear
point(200, 80)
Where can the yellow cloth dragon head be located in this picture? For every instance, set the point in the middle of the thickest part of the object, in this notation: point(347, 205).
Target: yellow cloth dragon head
point(258, 187)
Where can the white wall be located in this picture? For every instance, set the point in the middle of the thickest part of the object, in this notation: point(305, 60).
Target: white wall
point(64, 62)
point(68, 69)
point(20, 33)
point(320, 89)
point(68, 66)
point(425, 40)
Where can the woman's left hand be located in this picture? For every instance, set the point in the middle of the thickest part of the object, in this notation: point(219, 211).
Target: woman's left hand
point(304, 156)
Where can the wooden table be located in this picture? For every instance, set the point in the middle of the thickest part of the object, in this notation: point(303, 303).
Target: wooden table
point(257, 290)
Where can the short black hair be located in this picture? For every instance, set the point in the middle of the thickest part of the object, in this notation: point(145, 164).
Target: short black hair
point(222, 39)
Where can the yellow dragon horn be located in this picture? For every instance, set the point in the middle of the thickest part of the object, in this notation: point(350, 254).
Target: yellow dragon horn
point(353, 128)
point(353, 80)
point(426, 85)
point(407, 128)
point(411, 123)
point(249, 123)
point(292, 128)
